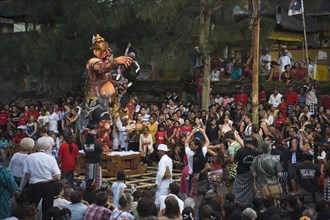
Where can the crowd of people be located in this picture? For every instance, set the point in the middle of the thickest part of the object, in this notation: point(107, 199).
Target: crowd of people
point(282, 70)
point(231, 168)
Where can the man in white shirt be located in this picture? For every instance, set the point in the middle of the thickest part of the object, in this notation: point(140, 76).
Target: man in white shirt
point(218, 99)
point(120, 133)
point(275, 98)
point(265, 59)
point(52, 120)
point(306, 112)
point(41, 170)
point(145, 116)
point(197, 163)
point(164, 173)
point(190, 153)
point(284, 60)
point(310, 68)
point(43, 119)
point(248, 123)
point(174, 190)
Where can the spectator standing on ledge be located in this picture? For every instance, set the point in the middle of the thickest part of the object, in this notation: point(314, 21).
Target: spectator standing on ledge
point(284, 60)
point(311, 98)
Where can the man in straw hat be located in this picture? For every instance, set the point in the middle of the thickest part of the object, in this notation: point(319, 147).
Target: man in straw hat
point(164, 173)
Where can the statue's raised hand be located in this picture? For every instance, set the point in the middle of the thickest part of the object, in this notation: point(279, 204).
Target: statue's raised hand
point(123, 60)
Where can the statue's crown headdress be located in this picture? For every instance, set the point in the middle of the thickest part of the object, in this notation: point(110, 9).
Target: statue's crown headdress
point(98, 43)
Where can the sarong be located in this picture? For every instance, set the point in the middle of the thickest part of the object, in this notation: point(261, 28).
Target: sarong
point(313, 108)
point(93, 171)
point(184, 182)
point(326, 194)
point(243, 188)
point(284, 182)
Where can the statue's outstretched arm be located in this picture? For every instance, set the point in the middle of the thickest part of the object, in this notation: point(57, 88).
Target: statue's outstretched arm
point(127, 49)
point(137, 65)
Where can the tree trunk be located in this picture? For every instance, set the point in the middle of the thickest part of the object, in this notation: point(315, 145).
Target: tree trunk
point(205, 18)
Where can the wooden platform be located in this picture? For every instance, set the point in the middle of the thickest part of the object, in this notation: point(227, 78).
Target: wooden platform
point(141, 181)
point(111, 165)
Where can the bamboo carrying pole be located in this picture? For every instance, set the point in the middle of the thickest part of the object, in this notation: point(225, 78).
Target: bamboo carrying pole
point(305, 36)
point(255, 67)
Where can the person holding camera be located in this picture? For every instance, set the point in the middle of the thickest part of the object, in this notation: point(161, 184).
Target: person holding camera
point(198, 165)
point(311, 98)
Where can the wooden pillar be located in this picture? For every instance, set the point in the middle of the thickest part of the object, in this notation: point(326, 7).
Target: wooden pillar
point(205, 19)
point(255, 64)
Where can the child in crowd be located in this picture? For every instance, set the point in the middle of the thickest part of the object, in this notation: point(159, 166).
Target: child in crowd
point(160, 137)
point(4, 143)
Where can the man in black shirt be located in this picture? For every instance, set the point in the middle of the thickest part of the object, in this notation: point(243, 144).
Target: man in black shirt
point(307, 175)
point(242, 187)
point(93, 151)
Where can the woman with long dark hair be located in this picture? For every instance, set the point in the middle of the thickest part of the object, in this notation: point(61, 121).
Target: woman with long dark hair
point(172, 209)
point(31, 128)
point(118, 187)
point(67, 159)
point(286, 75)
point(274, 71)
point(219, 171)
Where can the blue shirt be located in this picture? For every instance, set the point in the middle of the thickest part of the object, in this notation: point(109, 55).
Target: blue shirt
point(78, 210)
point(237, 73)
point(3, 143)
point(116, 188)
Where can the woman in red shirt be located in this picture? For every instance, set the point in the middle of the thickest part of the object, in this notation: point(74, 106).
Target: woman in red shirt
point(262, 95)
point(302, 72)
point(170, 131)
point(294, 70)
point(282, 107)
point(279, 121)
point(246, 71)
point(186, 128)
point(22, 119)
point(67, 158)
point(4, 119)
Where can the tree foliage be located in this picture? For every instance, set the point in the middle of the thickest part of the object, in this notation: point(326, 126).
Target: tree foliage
point(163, 33)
